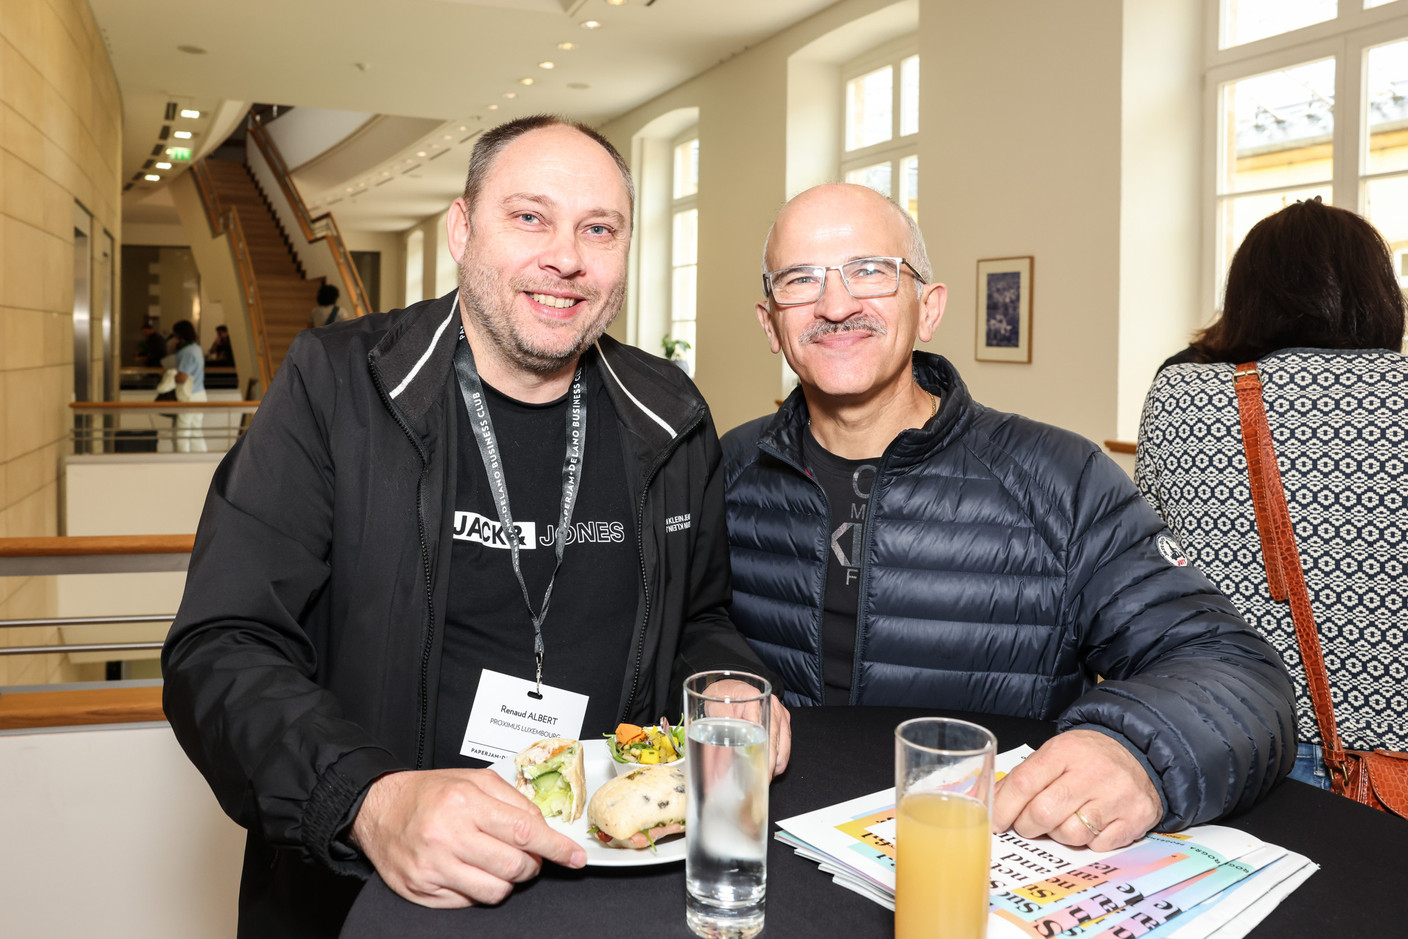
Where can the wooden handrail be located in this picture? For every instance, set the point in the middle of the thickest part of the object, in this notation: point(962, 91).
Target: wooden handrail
point(95, 545)
point(226, 221)
point(1121, 446)
point(33, 709)
point(99, 406)
point(341, 257)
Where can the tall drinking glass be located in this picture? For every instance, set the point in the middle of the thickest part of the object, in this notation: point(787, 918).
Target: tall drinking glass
point(726, 739)
point(943, 792)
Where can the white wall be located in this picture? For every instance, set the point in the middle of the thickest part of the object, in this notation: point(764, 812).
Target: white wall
point(1161, 206)
point(1021, 117)
point(112, 832)
point(1070, 132)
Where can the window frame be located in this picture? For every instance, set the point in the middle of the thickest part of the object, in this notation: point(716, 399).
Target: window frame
point(678, 205)
point(1346, 39)
point(899, 147)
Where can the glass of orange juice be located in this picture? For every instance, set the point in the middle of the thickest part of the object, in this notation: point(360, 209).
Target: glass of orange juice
point(943, 800)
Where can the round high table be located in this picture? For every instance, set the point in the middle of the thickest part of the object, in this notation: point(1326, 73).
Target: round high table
point(841, 753)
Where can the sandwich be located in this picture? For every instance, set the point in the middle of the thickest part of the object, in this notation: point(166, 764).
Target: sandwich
point(639, 808)
point(550, 773)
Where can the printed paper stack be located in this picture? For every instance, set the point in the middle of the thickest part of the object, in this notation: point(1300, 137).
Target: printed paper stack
point(1208, 881)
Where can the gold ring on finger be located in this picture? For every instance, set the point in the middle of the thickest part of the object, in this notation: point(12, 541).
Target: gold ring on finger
point(1086, 822)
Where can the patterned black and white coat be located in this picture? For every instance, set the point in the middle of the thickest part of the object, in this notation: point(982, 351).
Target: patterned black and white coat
point(1339, 420)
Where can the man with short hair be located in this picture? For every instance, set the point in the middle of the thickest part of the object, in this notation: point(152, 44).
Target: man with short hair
point(451, 530)
point(894, 542)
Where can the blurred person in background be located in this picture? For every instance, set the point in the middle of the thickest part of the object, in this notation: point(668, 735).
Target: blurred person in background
point(327, 311)
point(190, 386)
point(1313, 299)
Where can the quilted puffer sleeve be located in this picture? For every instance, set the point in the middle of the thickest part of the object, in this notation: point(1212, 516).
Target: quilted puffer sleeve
point(1201, 696)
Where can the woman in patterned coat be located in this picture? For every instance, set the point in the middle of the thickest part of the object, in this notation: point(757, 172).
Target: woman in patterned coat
point(1313, 298)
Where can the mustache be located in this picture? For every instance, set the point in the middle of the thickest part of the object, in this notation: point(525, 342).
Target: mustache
point(870, 324)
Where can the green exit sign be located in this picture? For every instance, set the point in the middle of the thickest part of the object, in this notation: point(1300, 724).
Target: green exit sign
point(179, 153)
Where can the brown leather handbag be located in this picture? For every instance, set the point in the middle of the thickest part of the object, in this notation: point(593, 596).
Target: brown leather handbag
point(1377, 778)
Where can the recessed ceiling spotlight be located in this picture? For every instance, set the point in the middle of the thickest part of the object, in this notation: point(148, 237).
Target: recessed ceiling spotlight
point(163, 166)
point(190, 112)
point(567, 46)
point(448, 136)
point(182, 135)
point(152, 178)
point(510, 94)
point(590, 24)
point(462, 127)
point(191, 50)
point(525, 81)
point(409, 160)
point(493, 107)
point(578, 86)
point(420, 153)
point(547, 65)
point(386, 172)
point(616, 3)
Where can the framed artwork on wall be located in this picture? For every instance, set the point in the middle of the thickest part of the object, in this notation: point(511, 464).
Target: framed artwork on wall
point(1004, 326)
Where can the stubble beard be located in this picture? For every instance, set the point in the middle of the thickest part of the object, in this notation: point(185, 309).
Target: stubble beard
point(481, 286)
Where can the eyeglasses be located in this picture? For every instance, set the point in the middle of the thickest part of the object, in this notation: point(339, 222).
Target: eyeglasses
point(863, 279)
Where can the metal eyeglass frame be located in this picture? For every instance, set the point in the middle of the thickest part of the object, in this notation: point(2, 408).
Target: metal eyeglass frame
point(821, 283)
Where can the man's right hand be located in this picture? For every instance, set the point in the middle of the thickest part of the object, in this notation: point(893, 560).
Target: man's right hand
point(456, 837)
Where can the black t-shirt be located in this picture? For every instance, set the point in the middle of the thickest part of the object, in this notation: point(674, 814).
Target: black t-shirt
point(591, 619)
point(848, 485)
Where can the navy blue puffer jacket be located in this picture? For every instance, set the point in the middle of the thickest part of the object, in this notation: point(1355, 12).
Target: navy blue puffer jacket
point(1006, 565)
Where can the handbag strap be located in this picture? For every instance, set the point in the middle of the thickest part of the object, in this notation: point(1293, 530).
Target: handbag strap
point(1284, 573)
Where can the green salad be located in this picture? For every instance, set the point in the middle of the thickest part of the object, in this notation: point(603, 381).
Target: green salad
point(646, 745)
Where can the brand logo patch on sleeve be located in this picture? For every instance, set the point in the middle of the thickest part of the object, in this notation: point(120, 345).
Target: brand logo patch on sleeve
point(1172, 551)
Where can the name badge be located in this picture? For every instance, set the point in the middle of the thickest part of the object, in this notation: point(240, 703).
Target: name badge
point(508, 716)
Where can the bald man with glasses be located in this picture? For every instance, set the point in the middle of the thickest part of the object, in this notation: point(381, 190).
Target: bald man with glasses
point(893, 542)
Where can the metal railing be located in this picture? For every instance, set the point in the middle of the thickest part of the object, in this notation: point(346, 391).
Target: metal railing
point(105, 554)
point(99, 427)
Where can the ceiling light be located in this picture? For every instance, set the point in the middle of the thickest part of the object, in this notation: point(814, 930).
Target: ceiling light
point(547, 65)
point(510, 94)
point(616, 3)
point(525, 81)
point(420, 153)
point(163, 166)
point(448, 137)
point(493, 107)
point(189, 112)
point(464, 127)
point(567, 46)
point(152, 178)
point(182, 135)
point(590, 24)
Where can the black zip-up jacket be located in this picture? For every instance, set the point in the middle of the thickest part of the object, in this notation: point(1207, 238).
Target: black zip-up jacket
point(304, 660)
point(1006, 564)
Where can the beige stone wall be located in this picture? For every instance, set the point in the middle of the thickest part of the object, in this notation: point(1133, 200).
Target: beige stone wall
point(60, 145)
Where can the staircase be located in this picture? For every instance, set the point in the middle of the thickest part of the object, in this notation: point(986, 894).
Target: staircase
point(284, 292)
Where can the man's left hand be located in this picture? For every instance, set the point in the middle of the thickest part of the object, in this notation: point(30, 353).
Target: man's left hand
point(1082, 788)
point(779, 723)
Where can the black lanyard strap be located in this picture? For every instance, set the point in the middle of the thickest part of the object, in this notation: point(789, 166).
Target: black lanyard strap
point(472, 390)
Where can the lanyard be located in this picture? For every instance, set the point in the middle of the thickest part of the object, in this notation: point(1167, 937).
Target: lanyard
point(472, 390)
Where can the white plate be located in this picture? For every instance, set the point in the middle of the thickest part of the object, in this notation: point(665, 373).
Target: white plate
point(598, 768)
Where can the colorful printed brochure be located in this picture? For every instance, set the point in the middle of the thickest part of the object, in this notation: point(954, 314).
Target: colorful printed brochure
point(1208, 881)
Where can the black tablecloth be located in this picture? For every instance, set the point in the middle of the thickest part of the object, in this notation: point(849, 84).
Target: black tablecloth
point(840, 753)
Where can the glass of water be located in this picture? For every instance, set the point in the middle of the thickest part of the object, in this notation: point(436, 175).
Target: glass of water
point(726, 719)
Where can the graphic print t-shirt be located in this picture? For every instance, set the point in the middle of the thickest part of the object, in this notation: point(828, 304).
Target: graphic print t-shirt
point(848, 485)
point(590, 626)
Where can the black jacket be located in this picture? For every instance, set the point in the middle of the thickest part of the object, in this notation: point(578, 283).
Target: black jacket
point(1006, 564)
point(304, 661)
